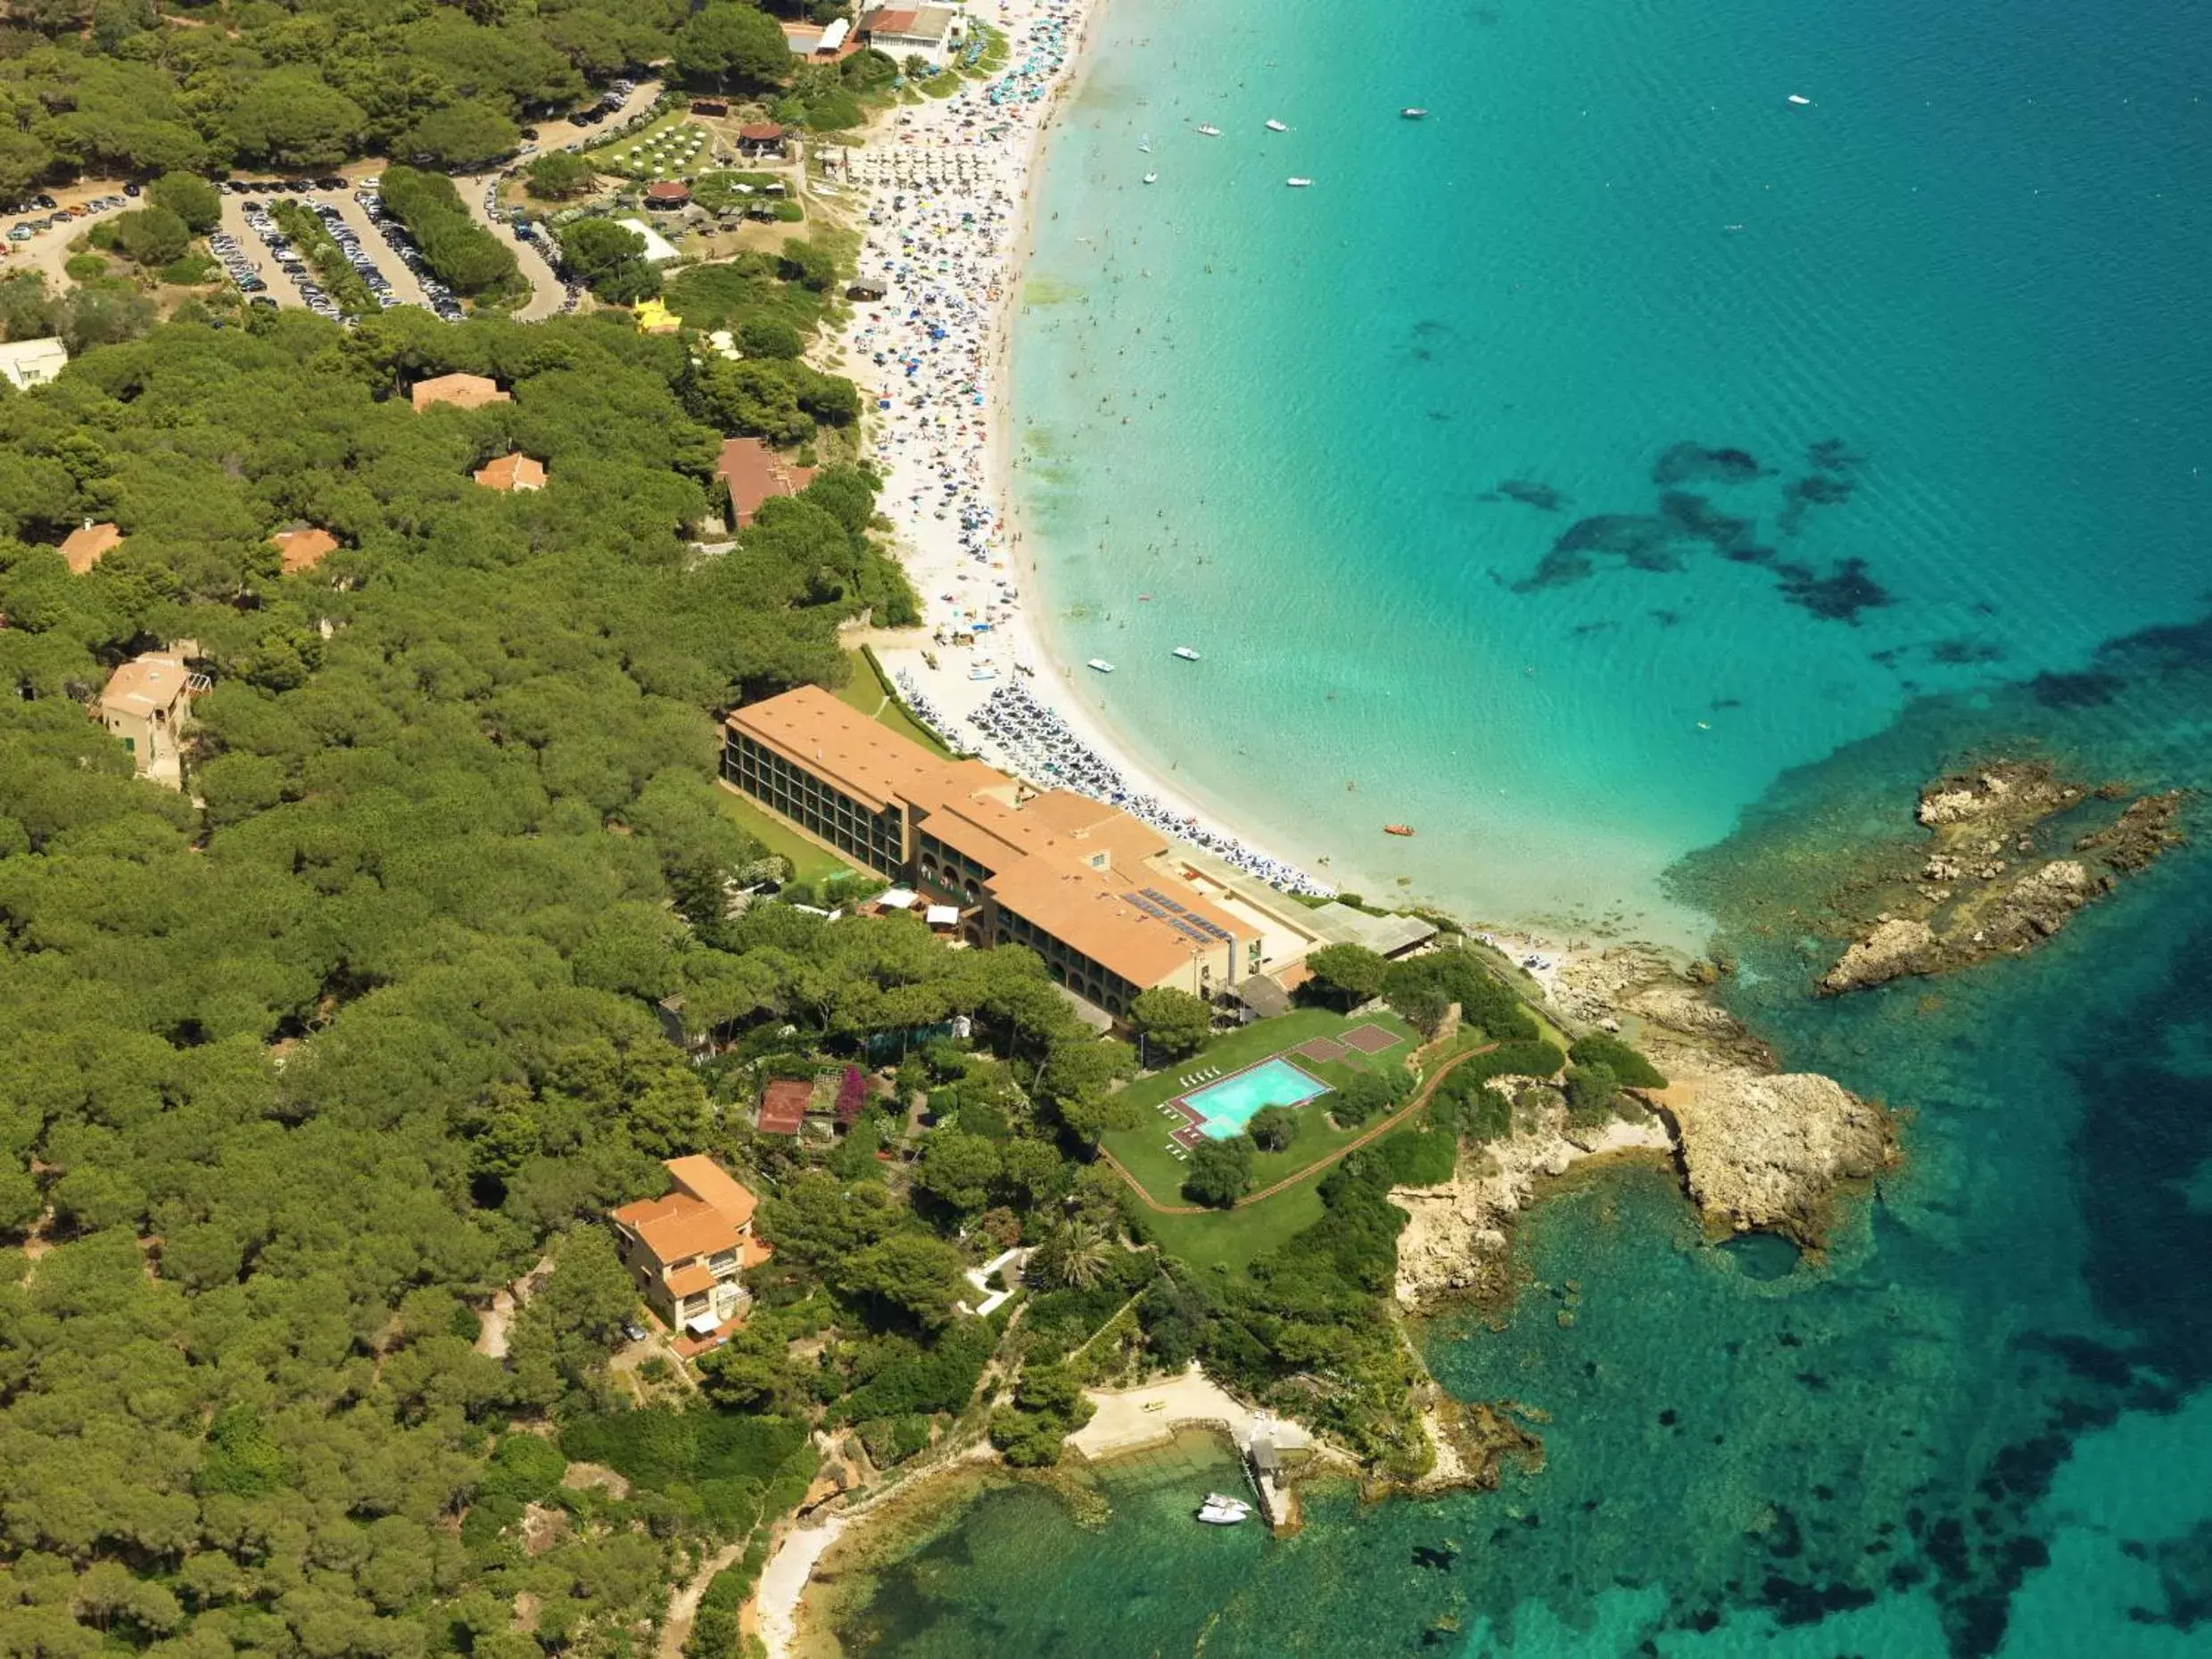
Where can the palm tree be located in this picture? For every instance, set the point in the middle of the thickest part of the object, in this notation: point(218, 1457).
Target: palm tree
point(1075, 1254)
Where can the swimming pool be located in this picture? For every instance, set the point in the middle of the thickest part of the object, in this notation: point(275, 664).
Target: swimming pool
point(1228, 1105)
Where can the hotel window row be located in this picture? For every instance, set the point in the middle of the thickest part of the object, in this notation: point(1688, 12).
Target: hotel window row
point(1071, 968)
point(876, 839)
point(949, 869)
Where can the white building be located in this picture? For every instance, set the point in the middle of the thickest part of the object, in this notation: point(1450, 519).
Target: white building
point(658, 249)
point(929, 32)
point(29, 363)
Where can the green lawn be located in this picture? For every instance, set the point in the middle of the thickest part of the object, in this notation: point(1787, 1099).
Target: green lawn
point(809, 863)
point(1231, 1240)
point(867, 692)
point(1143, 1153)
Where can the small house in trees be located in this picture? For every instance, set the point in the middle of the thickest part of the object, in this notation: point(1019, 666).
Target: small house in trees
point(511, 472)
point(303, 547)
point(148, 705)
point(685, 1251)
point(784, 1105)
point(89, 544)
point(463, 391)
point(752, 472)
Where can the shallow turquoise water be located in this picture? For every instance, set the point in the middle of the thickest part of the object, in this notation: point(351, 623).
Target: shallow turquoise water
point(1984, 1426)
point(1285, 414)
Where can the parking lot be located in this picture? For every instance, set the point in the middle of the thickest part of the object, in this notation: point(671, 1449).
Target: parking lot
point(260, 261)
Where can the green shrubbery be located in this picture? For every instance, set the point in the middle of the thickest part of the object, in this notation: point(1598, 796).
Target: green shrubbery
point(463, 254)
point(1219, 1172)
point(1626, 1064)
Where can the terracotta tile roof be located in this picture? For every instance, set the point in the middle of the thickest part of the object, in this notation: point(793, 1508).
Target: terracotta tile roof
point(884, 20)
point(511, 472)
point(704, 1215)
point(467, 392)
point(1077, 869)
point(754, 473)
point(761, 132)
point(303, 550)
point(754, 1251)
point(158, 681)
point(88, 544)
point(708, 1182)
point(678, 1227)
point(690, 1281)
point(783, 1106)
point(668, 190)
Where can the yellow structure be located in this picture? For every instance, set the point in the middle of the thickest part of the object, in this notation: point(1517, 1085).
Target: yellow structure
point(655, 317)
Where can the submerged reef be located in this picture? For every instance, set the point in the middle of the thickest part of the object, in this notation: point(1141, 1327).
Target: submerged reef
point(1684, 520)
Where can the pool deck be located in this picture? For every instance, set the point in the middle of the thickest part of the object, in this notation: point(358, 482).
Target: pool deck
point(1195, 1121)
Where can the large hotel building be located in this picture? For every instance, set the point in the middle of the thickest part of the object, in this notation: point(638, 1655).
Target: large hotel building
point(1111, 904)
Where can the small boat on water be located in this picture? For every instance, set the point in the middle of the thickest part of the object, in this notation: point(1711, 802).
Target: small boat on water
point(1186, 654)
point(1145, 145)
point(1794, 98)
point(1411, 113)
point(1397, 829)
point(1300, 184)
point(1220, 1511)
point(1276, 127)
point(1100, 664)
point(1209, 132)
point(1151, 179)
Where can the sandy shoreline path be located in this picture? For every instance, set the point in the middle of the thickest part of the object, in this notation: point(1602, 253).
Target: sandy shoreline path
point(944, 188)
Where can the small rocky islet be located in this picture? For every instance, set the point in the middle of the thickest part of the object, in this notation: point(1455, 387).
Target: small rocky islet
point(2014, 850)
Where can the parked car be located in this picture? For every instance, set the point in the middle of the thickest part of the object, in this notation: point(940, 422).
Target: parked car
point(130, 190)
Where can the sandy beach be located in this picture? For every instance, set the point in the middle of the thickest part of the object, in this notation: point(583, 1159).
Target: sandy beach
point(944, 191)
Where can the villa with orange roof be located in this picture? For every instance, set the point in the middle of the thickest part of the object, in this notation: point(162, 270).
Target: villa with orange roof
point(303, 547)
point(463, 391)
point(511, 472)
point(147, 703)
point(687, 1250)
point(89, 544)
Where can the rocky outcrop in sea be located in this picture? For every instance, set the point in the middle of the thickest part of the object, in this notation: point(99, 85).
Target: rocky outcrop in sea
point(2015, 851)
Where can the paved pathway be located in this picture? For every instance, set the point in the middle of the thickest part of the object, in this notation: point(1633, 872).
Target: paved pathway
point(1420, 1099)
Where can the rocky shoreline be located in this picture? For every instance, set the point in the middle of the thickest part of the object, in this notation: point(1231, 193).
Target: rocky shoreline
point(1995, 881)
point(1755, 1148)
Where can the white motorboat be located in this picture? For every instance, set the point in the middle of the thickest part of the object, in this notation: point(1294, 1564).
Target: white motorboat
point(1220, 1511)
point(1411, 113)
point(1794, 98)
point(1300, 184)
point(1100, 664)
point(1186, 654)
point(1151, 179)
point(1209, 132)
point(1276, 127)
point(1145, 145)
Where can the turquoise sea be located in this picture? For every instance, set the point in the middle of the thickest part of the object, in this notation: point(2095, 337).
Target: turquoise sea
point(1641, 482)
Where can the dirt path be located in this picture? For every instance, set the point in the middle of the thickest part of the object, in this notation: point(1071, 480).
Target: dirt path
point(1420, 1099)
point(683, 1603)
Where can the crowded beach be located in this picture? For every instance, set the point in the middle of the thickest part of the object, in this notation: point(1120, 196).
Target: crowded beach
point(945, 186)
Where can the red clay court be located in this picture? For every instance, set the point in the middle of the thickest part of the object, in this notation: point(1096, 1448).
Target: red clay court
point(1371, 1039)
